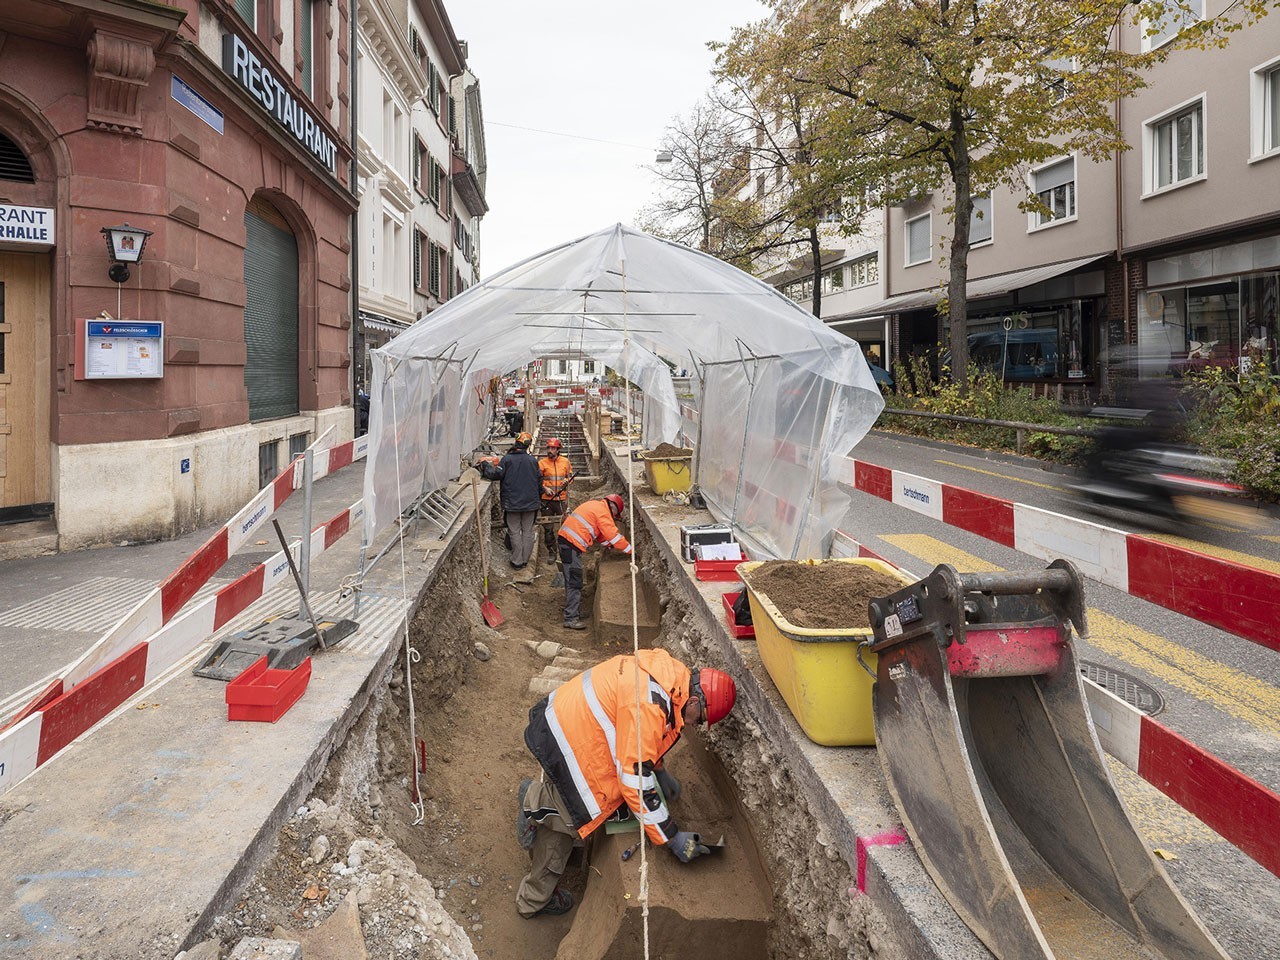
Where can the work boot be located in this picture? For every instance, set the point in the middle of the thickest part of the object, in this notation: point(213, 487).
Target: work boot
point(574, 625)
point(561, 902)
point(526, 829)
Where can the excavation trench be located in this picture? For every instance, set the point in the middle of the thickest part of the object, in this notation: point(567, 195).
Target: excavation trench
point(442, 882)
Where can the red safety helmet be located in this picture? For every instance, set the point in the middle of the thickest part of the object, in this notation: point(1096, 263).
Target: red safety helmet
point(717, 690)
point(616, 506)
point(554, 443)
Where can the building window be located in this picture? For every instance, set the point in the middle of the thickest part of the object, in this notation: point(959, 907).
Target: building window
point(864, 272)
point(420, 159)
point(248, 11)
point(433, 88)
point(306, 27)
point(433, 267)
point(562, 366)
point(1265, 124)
point(919, 239)
point(1175, 147)
point(417, 260)
point(453, 116)
point(434, 192)
point(1055, 188)
point(980, 222)
point(588, 366)
point(833, 279)
point(1156, 33)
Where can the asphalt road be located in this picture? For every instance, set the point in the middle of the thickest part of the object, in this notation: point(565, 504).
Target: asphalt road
point(1221, 692)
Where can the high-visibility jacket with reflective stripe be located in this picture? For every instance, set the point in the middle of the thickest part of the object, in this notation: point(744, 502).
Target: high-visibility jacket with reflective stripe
point(585, 736)
point(556, 473)
point(591, 522)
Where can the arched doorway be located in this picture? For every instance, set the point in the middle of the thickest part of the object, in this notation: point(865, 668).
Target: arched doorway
point(270, 312)
point(25, 487)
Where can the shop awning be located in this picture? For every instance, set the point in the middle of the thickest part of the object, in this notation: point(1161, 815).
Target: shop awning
point(982, 288)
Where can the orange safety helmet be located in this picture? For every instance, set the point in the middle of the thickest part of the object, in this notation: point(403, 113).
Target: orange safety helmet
point(616, 506)
point(554, 443)
point(717, 690)
point(524, 439)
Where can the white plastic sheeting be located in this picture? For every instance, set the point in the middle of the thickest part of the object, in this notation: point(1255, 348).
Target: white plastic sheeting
point(783, 397)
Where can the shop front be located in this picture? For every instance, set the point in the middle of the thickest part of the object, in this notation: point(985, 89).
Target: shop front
point(146, 389)
point(1216, 307)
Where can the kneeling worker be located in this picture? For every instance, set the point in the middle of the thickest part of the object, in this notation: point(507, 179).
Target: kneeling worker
point(584, 735)
point(593, 522)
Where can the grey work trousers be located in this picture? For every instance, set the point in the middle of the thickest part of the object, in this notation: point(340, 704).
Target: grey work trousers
point(571, 561)
point(552, 845)
point(521, 528)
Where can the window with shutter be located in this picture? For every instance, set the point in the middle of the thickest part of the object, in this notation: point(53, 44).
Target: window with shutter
point(248, 11)
point(306, 17)
point(435, 182)
point(433, 266)
point(417, 260)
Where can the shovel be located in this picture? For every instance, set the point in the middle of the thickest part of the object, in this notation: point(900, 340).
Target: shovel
point(488, 609)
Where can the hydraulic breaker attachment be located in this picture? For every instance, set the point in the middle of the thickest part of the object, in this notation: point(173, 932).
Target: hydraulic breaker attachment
point(991, 757)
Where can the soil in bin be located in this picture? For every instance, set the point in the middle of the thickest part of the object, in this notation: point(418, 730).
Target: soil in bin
point(668, 451)
point(822, 596)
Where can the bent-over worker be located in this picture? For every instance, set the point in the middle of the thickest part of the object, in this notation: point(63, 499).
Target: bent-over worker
point(557, 473)
point(592, 522)
point(520, 495)
point(584, 735)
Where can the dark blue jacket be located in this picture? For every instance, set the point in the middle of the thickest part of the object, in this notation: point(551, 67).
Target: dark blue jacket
point(521, 480)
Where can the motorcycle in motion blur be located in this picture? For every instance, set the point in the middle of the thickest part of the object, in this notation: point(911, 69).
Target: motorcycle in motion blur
point(1138, 468)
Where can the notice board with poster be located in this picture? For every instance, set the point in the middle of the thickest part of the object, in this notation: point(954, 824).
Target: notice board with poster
point(120, 350)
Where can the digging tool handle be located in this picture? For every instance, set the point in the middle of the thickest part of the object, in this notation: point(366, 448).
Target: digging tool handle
point(298, 580)
point(475, 497)
point(1004, 584)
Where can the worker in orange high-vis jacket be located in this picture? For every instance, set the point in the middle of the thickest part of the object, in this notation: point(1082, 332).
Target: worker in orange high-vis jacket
point(557, 473)
point(593, 522)
point(601, 749)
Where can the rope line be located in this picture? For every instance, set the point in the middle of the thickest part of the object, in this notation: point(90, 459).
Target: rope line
point(635, 603)
point(411, 656)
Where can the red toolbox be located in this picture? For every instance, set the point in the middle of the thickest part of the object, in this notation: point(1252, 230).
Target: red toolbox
point(737, 632)
point(726, 570)
point(266, 695)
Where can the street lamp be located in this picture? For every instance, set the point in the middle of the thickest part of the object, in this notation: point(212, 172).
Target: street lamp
point(124, 246)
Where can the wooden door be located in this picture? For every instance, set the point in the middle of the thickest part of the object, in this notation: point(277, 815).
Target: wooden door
point(24, 380)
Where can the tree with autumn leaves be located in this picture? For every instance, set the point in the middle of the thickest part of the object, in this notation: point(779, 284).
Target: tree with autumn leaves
point(962, 96)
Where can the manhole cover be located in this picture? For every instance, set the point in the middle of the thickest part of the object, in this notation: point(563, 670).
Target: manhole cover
point(1127, 688)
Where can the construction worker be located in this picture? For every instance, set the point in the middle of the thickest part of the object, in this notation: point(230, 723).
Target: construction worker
point(601, 754)
point(557, 473)
point(592, 522)
point(521, 495)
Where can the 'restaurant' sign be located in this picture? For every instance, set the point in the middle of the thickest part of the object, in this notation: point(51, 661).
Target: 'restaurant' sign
point(31, 226)
point(243, 65)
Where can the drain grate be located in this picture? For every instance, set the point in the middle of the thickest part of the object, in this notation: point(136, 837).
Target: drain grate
point(1127, 688)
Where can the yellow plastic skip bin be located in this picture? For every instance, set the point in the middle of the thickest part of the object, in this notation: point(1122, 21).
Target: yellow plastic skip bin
point(817, 671)
point(668, 473)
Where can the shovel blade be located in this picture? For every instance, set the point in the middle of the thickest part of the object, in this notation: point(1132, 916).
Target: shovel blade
point(492, 615)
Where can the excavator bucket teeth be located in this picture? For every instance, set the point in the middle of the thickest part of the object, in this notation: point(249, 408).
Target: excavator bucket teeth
point(987, 746)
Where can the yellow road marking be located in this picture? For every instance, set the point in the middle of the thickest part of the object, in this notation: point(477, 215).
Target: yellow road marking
point(1238, 694)
point(1002, 476)
point(1272, 539)
point(1224, 553)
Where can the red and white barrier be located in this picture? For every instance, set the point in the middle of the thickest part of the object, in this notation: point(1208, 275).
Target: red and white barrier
point(53, 721)
point(1239, 808)
point(1231, 596)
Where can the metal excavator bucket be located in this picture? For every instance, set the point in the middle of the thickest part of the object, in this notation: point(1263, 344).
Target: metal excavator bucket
point(987, 745)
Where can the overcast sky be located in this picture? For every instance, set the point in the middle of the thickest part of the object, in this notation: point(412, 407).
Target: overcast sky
point(612, 70)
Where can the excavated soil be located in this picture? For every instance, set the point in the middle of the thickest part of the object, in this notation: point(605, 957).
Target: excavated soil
point(822, 596)
point(667, 451)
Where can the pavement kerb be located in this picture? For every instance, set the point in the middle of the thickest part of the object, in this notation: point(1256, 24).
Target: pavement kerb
point(844, 787)
point(174, 809)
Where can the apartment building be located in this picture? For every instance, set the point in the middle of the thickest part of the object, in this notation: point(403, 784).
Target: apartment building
point(422, 167)
point(1169, 253)
point(142, 402)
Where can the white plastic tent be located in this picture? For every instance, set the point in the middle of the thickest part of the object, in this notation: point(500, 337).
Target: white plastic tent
point(783, 398)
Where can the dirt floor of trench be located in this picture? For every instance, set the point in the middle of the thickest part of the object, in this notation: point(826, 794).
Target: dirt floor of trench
point(476, 758)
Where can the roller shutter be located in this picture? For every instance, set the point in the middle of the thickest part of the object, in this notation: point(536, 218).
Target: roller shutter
point(270, 314)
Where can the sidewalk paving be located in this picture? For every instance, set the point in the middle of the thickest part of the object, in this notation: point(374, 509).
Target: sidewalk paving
point(126, 843)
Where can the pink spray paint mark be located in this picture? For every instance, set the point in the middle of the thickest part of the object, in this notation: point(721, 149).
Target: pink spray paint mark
point(890, 839)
